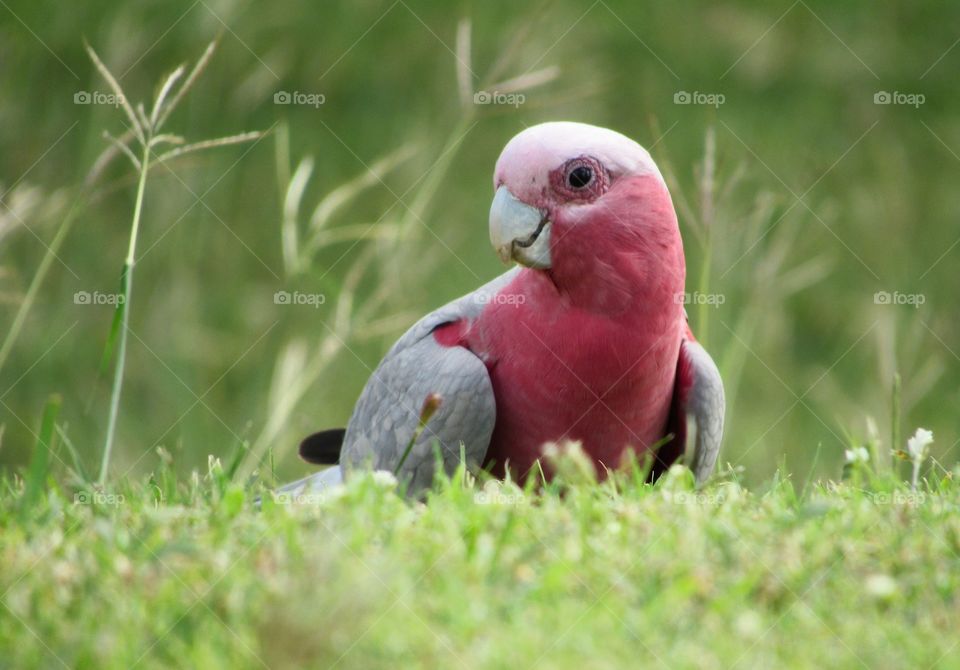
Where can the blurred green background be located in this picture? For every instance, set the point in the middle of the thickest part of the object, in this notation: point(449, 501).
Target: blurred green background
point(812, 198)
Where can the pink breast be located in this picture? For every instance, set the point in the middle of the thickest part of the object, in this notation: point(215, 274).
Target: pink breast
point(561, 373)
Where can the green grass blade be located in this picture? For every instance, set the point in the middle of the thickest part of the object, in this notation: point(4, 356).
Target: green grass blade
point(117, 386)
point(108, 347)
point(74, 454)
point(895, 414)
point(38, 277)
point(37, 472)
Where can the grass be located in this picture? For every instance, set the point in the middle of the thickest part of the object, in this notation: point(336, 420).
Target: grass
point(184, 572)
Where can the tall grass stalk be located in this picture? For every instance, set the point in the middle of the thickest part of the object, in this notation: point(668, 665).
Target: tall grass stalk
point(707, 208)
point(42, 269)
point(895, 412)
point(145, 130)
point(126, 287)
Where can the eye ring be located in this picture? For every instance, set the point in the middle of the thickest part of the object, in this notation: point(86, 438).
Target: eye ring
point(580, 177)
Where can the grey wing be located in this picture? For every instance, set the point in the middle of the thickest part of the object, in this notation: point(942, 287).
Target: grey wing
point(704, 407)
point(387, 414)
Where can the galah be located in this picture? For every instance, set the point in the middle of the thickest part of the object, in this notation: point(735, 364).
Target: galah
point(586, 339)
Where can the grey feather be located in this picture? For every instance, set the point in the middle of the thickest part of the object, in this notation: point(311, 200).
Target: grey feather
point(388, 412)
point(704, 409)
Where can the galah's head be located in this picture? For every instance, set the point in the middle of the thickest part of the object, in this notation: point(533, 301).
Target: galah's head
point(577, 195)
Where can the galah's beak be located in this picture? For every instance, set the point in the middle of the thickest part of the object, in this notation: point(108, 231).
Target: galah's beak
point(519, 231)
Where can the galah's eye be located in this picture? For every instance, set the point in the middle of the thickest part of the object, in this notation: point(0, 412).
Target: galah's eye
point(580, 177)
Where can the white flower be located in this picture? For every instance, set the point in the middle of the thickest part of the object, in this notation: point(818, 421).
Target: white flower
point(918, 444)
point(857, 455)
point(384, 479)
point(881, 587)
